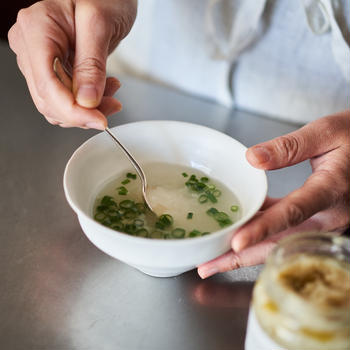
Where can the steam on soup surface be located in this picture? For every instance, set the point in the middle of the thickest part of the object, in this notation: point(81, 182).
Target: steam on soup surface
point(188, 203)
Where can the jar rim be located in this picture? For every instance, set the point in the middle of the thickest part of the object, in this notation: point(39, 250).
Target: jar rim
point(311, 242)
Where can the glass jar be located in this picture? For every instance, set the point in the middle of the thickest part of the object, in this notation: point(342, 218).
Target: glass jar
point(301, 300)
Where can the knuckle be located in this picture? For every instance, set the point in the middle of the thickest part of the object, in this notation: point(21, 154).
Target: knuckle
point(335, 196)
point(90, 66)
point(12, 38)
point(52, 121)
point(23, 15)
point(340, 195)
point(328, 128)
point(333, 190)
point(235, 262)
point(41, 106)
point(65, 125)
point(288, 146)
point(326, 124)
point(41, 89)
point(294, 215)
point(26, 16)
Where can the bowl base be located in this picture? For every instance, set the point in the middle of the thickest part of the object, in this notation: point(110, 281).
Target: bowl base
point(162, 272)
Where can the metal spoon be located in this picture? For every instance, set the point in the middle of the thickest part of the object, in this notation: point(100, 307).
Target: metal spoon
point(67, 82)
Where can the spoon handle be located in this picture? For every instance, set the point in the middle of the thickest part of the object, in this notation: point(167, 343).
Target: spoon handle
point(136, 165)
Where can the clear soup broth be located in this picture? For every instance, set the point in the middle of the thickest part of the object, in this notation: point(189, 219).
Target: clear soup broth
point(188, 203)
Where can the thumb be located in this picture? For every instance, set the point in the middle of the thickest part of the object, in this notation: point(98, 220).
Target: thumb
point(93, 35)
point(307, 142)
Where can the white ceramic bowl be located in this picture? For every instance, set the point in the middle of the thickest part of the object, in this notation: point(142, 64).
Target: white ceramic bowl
point(208, 150)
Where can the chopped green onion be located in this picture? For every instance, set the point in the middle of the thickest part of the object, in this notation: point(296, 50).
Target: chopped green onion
point(199, 186)
point(108, 200)
point(121, 212)
point(164, 220)
point(130, 214)
point(142, 232)
point(194, 233)
point(211, 187)
point(134, 209)
point(159, 225)
point(131, 176)
point(217, 193)
point(102, 207)
point(211, 197)
point(203, 198)
point(226, 222)
point(178, 233)
point(205, 233)
point(184, 174)
point(122, 190)
point(118, 227)
point(204, 179)
point(138, 222)
point(99, 216)
point(106, 221)
point(127, 204)
point(111, 212)
point(234, 208)
point(157, 234)
point(220, 216)
point(113, 215)
point(189, 215)
point(130, 229)
point(114, 219)
point(140, 207)
point(126, 181)
point(212, 211)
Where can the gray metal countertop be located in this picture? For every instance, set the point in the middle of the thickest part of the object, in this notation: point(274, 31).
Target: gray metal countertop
point(59, 292)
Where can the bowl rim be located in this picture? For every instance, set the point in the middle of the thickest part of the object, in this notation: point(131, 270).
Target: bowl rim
point(157, 241)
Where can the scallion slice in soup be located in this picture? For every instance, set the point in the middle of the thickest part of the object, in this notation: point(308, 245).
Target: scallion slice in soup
point(189, 215)
point(234, 208)
point(178, 233)
point(131, 176)
point(122, 190)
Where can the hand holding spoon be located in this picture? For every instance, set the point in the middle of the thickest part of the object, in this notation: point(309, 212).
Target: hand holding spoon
point(67, 82)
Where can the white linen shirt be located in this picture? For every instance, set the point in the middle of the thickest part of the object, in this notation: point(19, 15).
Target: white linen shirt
point(286, 59)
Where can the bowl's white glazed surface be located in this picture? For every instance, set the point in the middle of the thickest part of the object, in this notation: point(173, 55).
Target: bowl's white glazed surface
point(218, 155)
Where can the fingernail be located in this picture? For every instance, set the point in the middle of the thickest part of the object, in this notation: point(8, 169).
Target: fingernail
point(87, 96)
point(261, 154)
point(95, 125)
point(204, 273)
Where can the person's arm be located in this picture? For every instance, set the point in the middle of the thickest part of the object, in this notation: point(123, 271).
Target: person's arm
point(81, 34)
point(321, 204)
